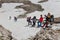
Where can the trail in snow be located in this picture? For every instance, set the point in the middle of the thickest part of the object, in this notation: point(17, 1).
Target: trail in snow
point(17, 28)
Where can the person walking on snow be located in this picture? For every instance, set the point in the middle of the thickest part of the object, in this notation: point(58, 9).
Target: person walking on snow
point(34, 21)
point(29, 21)
point(47, 21)
point(40, 21)
point(48, 17)
point(15, 19)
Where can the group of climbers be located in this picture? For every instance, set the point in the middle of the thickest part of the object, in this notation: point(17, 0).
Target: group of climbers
point(42, 21)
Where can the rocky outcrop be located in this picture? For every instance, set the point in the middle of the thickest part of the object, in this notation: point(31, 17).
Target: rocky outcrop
point(42, 1)
point(48, 34)
point(13, 1)
point(0, 5)
point(57, 20)
point(5, 34)
point(22, 16)
point(30, 7)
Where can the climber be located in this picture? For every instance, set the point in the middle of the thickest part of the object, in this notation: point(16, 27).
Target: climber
point(40, 21)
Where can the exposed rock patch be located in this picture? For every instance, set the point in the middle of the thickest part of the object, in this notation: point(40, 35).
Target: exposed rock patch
point(0, 4)
point(5, 34)
point(48, 34)
point(30, 7)
point(57, 20)
point(22, 16)
point(13, 1)
point(42, 1)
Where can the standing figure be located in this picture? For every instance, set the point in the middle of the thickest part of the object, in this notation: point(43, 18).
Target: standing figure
point(47, 21)
point(40, 21)
point(15, 19)
point(48, 17)
point(29, 21)
point(34, 21)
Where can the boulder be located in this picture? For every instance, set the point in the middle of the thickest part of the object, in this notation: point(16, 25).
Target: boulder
point(42, 1)
point(57, 20)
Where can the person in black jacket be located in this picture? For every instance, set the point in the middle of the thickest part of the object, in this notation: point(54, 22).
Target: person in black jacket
point(48, 17)
point(34, 21)
point(47, 20)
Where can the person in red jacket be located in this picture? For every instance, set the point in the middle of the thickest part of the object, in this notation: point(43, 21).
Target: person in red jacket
point(40, 21)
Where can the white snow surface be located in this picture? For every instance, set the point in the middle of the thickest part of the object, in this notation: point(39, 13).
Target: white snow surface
point(18, 29)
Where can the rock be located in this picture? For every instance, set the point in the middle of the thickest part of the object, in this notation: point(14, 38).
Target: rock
point(13, 1)
point(48, 34)
point(42, 1)
point(30, 7)
point(57, 20)
point(22, 16)
point(0, 4)
point(5, 34)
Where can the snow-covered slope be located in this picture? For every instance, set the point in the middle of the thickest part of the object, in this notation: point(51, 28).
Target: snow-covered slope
point(52, 6)
point(17, 28)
